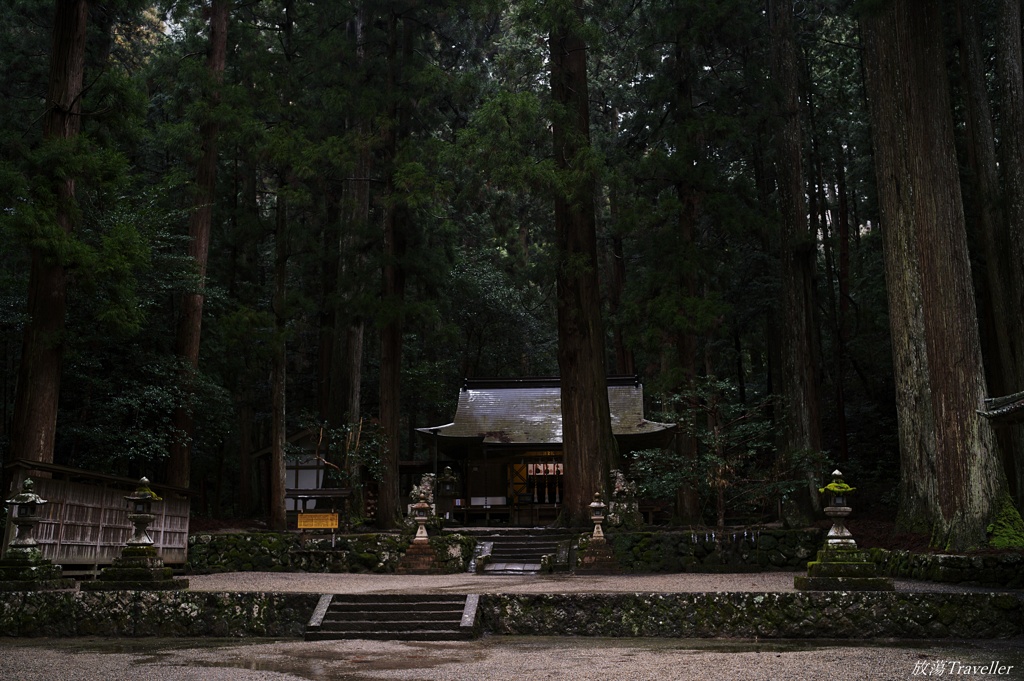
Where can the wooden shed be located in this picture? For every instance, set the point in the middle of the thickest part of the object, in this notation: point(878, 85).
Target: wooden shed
point(85, 523)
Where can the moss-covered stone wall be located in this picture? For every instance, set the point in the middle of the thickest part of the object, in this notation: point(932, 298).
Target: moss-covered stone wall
point(290, 552)
point(154, 613)
point(855, 615)
point(1001, 570)
point(734, 551)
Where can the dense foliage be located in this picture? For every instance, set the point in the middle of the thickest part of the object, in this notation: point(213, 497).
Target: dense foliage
point(336, 118)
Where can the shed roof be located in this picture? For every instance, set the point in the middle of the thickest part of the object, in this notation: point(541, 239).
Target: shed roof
point(529, 412)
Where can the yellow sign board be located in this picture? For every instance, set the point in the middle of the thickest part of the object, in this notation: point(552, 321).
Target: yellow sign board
point(318, 521)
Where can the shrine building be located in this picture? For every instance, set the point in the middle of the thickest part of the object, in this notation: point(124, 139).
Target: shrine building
point(505, 445)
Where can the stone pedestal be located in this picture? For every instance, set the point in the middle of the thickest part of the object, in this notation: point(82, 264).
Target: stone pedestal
point(139, 568)
point(26, 570)
point(418, 560)
point(842, 569)
point(597, 559)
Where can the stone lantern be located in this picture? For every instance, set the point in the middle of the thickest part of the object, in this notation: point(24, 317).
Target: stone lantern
point(421, 513)
point(25, 507)
point(838, 537)
point(446, 482)
point(446, 485)
point(139, 567)
point(140, 503)
point(23, 568)
point(841, 566)
point(597, 509)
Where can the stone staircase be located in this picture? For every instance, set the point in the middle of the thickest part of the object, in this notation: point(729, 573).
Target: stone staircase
point(516, 552)
point(402, 617)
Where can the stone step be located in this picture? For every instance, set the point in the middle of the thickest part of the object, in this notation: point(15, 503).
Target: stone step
point(844, 556)
point(512, 553)
point(379, 626)
point(520, 552)
point(412, 635)
point(390, 610)
point(393, 617)
point(841, 570)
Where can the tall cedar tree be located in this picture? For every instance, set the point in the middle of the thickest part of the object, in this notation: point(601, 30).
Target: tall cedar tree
point(1010, 70)
point(951, 477)
point(396, 216)
point(1000, 346)
point(190, 319)
point(588, 445)
point(797, 376)
point(35, 407)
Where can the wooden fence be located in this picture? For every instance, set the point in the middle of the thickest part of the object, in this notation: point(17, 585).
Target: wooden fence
point(85, 524)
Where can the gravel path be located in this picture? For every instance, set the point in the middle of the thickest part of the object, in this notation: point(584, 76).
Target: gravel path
point(294, 582)
point(498, 658)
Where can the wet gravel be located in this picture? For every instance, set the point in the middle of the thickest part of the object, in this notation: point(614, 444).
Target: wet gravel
point(498, 658)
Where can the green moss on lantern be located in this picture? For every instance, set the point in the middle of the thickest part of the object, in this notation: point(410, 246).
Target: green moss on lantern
point(837, 488)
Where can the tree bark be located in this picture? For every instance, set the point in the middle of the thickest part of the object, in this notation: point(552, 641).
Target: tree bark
point(393, 283)
point(588, 446)
point(190, 319)
point(798, 380)
point(34, 421)
point(1010, 242)
point(278, 371)
point(951, 478)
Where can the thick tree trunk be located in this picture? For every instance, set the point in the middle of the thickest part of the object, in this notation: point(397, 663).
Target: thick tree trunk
point(1009, 246)
point(189, 326)
point(34, 419)
point(330, 265)
point(798, 381)
point(246, 417)
point(624, 362)
point(951, 477)
point(390, 367)
point(843, 275)
point(588, 445)
point(278, 371)
point(393, 286)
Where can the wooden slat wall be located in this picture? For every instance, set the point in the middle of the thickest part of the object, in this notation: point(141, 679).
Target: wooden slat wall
point(87, 525)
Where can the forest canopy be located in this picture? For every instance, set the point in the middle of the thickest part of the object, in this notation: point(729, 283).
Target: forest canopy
point(229, 221)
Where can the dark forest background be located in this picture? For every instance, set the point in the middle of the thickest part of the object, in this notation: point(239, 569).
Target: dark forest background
point(357, 199)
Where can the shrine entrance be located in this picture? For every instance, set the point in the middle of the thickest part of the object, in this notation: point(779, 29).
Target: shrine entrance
point(536, 488)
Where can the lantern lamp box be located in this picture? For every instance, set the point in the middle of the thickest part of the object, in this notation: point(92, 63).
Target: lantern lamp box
point(318, 521)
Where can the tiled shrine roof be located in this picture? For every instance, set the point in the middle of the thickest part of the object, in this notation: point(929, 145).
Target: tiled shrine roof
point(528, 411)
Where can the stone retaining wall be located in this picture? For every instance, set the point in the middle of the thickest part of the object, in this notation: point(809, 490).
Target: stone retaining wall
point(710, 551)
point(290, 552)
point(854, 615)
point(154, 613)
point(637, 552)
point(1004, 570)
